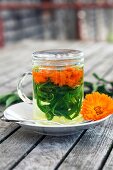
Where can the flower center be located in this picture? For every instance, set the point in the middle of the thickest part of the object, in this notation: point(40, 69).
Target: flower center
point(98, 110)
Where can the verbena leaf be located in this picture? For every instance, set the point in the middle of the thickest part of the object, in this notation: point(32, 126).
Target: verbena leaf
point(111, 83)
point(60, 101)
point(88, 87)
point(103, 89)
point(12, 99)
point(95, 87)
point(3, 98)
point(88, 84)
point(99, 78)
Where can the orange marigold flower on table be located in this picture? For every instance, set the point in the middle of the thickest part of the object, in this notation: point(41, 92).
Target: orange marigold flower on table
point(96, 106)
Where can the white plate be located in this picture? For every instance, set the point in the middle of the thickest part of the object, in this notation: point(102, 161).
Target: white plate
point(22, 111)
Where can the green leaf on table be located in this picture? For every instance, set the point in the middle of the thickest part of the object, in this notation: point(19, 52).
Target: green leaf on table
point(111, 83)
point(95, 87)
point(103, 89)
point(12, 99)
point(88, 87)
point(3, 98)
point(99, 78)
point(88, 84)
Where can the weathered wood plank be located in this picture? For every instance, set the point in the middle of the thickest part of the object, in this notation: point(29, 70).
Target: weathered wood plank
point(13, 75)
point(26, 48)
point(9, 68)
point(109, 162)
point(51, 154)
point(7, 129)
point(91, 149)
point(11, 81)
point(16, 146)
point(4, 90)
point(51, 151)
point(103, 69)
point(93, 50)
point(109, 76)
point(30, 157)
point(98, 60)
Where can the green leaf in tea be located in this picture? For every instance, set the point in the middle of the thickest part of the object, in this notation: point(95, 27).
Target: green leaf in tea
point(59, 101)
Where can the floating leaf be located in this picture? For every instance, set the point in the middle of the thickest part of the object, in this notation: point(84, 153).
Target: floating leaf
point(56, 100)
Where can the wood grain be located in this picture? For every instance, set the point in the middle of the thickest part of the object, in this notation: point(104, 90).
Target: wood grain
point(25, 150)
point(48, 153)
point(91, 149)
point(13, 148)
point(6, 129)
point(109, 163)
point(98, 60)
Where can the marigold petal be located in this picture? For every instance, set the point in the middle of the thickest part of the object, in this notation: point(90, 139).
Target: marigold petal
point(96, 106)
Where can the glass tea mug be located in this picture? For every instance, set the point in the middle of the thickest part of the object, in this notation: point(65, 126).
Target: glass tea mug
point(58, 78)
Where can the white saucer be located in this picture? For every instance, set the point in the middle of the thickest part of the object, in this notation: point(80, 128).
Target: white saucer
point(22, 111)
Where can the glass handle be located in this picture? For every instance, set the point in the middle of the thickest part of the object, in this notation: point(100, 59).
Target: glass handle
point(20, 90)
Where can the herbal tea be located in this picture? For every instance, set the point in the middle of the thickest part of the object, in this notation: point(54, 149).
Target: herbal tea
point(57, 86)
point(57, 94)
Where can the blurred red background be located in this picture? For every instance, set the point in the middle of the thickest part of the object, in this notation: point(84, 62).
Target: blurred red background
point(56, 19)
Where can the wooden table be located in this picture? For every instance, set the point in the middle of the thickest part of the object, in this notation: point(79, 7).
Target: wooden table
point(89, 149)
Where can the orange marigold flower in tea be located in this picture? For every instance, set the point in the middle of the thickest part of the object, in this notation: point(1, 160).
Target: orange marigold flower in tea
point(69, 76)
point(58, 78)
point(40, 77)
point(62, 79)
point(96, 106)
point(54, 77)
point(74, 76)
